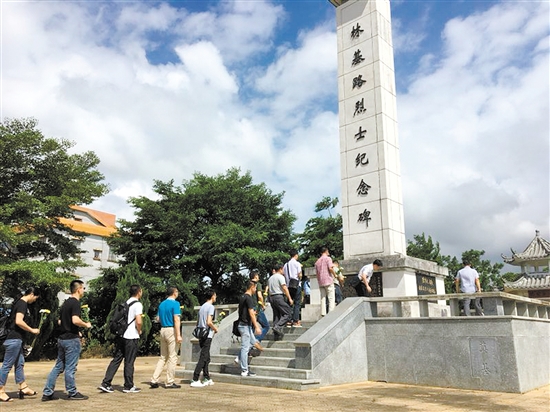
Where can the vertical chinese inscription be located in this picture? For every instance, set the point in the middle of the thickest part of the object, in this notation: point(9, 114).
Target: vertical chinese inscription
point(360, 134)
point(356, 31)
point(484, 357)
point(363, 188)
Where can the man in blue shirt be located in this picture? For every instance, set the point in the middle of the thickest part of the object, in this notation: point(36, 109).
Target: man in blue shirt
point(170, 336)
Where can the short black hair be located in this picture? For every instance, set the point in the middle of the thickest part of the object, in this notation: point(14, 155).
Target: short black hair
point(277, 267)
point(253, 273)
point(378, 263)
point(293, 252)
point(32, 289)
point(170, 290)
point(75, 285)
point(209, 293)
point(134, 290)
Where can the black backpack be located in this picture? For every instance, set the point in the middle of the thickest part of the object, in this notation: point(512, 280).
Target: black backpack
point(4, 327)
point(119, 319)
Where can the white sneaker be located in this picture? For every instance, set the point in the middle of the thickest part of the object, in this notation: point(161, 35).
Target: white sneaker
point(236, 360)
point(196, 384)
point(133, 389)
point(207, 382)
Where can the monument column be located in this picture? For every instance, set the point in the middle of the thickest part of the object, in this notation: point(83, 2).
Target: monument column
point(372, 204)
point(372, 201)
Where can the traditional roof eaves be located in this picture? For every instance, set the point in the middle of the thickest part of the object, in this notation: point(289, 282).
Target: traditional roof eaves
point(530, 281)
point(538, 249)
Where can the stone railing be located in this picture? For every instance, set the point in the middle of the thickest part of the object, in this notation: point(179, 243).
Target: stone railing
point(494, 304)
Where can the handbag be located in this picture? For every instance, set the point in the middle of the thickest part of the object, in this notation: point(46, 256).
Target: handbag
point(201, 333)
point(235, 329)
point(293, 284)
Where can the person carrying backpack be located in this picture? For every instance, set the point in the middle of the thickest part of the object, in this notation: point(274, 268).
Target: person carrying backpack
point(127, 344)
point(13, 345)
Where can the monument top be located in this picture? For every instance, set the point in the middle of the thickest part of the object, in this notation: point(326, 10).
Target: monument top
point(337, 3)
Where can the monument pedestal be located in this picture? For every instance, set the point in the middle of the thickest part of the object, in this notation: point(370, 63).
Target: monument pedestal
point(400, 276)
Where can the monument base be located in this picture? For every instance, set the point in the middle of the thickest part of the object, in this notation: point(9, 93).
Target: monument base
point(400, 276)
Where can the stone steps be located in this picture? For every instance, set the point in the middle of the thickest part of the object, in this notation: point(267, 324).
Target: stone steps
point(266, 381)
point(275, 367)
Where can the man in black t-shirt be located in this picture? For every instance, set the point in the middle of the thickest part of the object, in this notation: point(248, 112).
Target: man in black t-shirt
point(13, 345)
point(248, 326)
point(68, 345)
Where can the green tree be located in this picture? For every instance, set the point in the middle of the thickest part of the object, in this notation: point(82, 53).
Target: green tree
point(322, 231)
point(209, 231)
point(426, 249)
point(39, 181)
point(489, 273)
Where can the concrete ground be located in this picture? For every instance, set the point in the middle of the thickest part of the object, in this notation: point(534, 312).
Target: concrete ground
point(365, 396)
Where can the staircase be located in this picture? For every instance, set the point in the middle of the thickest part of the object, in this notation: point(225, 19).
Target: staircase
point(275, 367)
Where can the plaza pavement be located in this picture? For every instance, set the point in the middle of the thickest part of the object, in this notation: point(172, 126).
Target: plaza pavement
point(365, 396)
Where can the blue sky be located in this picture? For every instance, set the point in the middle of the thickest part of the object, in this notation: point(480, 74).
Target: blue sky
point(162, 89)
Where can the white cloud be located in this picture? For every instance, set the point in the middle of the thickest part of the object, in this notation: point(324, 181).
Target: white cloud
point(473, 123)
point(478, 125)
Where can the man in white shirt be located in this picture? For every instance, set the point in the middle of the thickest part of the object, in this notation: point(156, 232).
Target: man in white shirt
point(468, 280)
point(127, 346)
point(293, 276)
point(363, 288)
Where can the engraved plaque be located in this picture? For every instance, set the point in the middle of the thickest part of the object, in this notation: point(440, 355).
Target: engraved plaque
point(484, 357)
point(425, 285)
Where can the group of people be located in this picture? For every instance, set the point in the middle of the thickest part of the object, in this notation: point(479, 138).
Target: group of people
point(284, 289)
point(285, 295)
point(69, 344)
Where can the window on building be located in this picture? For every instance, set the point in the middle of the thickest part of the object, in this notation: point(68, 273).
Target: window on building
point(112, 257)
point(97, 254)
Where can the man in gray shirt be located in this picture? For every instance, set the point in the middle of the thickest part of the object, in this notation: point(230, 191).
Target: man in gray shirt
point(281, 309)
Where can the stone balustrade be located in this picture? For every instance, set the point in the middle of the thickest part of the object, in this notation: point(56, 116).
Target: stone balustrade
point(494, 304)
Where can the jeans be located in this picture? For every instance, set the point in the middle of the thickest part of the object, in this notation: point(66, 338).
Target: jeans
point(327, 292)
point(168, 356)
point(262, 320)
point(204, 360)
point(247, 343)
point(126, 349)
point(338, 297)
point(296, 295)
point(68, 352)
point(13, 355)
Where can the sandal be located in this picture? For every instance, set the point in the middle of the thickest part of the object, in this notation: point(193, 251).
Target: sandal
point(28, 392)
point(7, 399)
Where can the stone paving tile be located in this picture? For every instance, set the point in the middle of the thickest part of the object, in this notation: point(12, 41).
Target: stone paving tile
point(366, 396)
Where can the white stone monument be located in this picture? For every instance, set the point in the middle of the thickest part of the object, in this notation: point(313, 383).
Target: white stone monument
point(372, 202)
